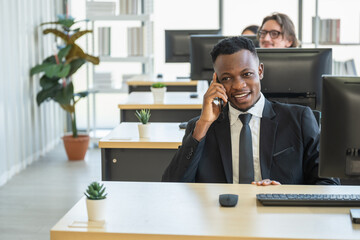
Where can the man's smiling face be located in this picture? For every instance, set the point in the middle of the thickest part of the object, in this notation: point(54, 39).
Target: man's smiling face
point(240, 74)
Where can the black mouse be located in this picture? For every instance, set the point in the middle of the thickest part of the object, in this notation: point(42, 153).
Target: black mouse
point(228, 200)
point(194, 95)
point(183, 125)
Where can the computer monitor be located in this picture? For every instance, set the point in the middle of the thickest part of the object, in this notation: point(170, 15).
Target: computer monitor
point(252, 38)
point(177, 44)
point(293, 75)
point(340, 127)
point(200, 58)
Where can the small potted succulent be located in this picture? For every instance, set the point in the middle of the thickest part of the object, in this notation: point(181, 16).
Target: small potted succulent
point(158, 89)
point(96, 201)
point(144, 125)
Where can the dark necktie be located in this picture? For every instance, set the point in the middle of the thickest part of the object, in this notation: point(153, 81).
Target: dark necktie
point(246, 164)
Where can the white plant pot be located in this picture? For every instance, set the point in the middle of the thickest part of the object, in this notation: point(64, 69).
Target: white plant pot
point(158, 94)
point(96, 209)
point(144, 130)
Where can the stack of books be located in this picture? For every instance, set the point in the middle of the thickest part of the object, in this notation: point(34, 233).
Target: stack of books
point(329, 30)
point(344, 68)
point(104, 35)
point(100, 9)
point(129, 7)
point(102, 80)
point(135, 41)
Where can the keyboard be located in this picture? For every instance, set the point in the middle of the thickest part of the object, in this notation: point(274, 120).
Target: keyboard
point(326, 200)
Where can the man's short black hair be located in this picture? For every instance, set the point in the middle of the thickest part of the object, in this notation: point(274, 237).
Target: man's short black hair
point(232, 45)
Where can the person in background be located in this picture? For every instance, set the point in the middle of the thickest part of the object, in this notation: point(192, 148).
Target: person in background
point(277, 31)
point(247, 139)
point(250, 30)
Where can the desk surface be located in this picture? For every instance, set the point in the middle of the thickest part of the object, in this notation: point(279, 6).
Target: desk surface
point(126, 135)
point(143, 80)
point(172, 100)
point(191, 211)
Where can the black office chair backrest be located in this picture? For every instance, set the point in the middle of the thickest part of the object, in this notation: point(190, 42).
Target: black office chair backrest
point(317, 115)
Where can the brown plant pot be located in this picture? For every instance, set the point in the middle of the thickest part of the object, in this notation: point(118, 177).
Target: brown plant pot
point(76, 147)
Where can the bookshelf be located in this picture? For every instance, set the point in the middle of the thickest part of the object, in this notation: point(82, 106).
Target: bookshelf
point(347, 44)
point(131, 49)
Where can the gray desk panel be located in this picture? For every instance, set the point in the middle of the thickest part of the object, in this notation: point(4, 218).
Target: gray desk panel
point(144, 165)
point(169, 88)
point(162, 115)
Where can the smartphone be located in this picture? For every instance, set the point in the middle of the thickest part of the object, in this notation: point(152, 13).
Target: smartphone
point(221, 102)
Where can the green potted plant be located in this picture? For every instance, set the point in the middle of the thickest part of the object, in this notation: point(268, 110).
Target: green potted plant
point(158, 89)
point(96, 201)
point(56, 81)
point(144, 125)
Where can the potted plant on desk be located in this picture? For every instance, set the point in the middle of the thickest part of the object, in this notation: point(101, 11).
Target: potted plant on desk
point(56, 82)
point(144, 125)
point(158, 89)
point(96, 201)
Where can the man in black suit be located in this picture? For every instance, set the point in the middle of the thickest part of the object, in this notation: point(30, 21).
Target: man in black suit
point(280, 142)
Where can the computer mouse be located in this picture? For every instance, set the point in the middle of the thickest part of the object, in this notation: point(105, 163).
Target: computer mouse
point(228, 200)
point(183, 125)
point(194, 95)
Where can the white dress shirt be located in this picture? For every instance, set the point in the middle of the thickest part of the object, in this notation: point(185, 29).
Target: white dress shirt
point(235, 128)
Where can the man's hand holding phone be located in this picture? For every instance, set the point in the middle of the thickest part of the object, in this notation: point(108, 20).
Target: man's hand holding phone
point(210, 110)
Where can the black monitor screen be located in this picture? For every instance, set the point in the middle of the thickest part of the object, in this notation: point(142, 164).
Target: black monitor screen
point(177, 44)
point(340, 128)
point(200, 58)
point(292, 72)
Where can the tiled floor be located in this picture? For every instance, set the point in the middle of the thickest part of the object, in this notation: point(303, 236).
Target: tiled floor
point(35, 199)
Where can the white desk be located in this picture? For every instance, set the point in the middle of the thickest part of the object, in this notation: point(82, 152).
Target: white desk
point(165, 211)
point(126, 157)
point(143, 83)
point(177, 107)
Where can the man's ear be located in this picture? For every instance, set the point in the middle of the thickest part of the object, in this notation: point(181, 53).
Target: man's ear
point(261, 71)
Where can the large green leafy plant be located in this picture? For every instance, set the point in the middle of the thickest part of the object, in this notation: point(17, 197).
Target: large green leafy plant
point(56, 81)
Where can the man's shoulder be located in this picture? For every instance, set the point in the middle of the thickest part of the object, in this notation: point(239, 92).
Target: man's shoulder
point(290, 111)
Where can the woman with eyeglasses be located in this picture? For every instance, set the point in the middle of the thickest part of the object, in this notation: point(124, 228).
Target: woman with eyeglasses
point(277, 31)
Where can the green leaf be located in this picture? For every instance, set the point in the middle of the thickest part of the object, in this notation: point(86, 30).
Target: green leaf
point(64, 52)
point(65, 95)
point(64, 16)
point(57, 70)
point(47, 83)
point(40, 68)
point(82, 94)
point(50, 59)
point(47, 94)
point(64, 70)
point(67, 22)
point(76, 30)
point(158, 85)
point(75, 65)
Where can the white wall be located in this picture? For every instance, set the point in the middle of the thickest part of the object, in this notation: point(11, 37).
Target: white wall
point(26, 130)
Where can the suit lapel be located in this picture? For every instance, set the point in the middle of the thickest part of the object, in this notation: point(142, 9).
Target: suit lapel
point(267, 139)
point(222, 131)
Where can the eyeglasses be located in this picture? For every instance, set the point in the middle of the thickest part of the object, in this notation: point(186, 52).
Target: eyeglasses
point(273, 34)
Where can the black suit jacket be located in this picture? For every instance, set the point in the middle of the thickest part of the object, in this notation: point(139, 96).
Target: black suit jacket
point(289, 149)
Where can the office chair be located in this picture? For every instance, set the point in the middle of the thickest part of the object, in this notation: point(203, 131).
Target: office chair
point(317, 115)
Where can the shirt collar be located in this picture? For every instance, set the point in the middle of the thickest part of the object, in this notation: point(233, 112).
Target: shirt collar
point(256, 110)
